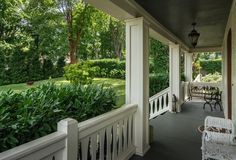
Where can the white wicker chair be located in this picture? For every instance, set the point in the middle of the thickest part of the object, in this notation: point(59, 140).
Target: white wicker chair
point(217, 145)
point(217, 124)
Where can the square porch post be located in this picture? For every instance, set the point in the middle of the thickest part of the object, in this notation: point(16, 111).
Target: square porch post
point(188, 69)
point(137, 79)
point(174, 54)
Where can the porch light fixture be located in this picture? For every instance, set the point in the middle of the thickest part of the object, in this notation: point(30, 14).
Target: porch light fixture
point(193, 36)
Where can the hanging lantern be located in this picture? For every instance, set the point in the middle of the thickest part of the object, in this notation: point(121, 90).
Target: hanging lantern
point(193, 36)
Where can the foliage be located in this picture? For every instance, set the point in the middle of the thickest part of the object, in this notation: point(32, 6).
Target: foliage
point(35, 34)
point(159, 57)
point(157, 83)
point(196, 69)
point(80, 73)
point(211, 66)
point(214, 78)
point(158, 67)
point(206, 63)
point(24, 67)
point(85, 71)
point(108, 68)
point(60, 66)
point(48, 68)
point(34, 113)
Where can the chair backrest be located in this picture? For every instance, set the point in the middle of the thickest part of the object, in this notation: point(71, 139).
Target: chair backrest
point(218, 124)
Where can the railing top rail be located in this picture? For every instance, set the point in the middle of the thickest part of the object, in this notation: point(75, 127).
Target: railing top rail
point(103, 120)
point(205, 83)
point(94, 124)
point(32, 146)
point(159, 94)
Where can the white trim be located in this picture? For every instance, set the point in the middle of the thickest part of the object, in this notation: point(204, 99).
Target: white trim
point(206, 49)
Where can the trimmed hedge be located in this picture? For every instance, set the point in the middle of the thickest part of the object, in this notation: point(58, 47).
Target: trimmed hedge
point(21, 68)
point(35, 112)
point(108, 68)
point(211, 66)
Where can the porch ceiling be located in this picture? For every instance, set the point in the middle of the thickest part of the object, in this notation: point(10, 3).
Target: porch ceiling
point(177, 16)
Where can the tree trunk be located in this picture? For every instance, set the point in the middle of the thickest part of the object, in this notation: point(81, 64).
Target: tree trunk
point(117, 47)
point(72, 53)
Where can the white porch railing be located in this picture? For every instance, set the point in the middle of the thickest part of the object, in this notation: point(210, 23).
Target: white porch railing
point(108, 136)
point(159, 103)
point(49, 147)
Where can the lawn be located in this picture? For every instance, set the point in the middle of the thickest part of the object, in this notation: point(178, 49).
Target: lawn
point(117, 84)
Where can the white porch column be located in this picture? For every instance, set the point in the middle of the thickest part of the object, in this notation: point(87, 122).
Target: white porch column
point(188, 69)
point(174, 52)
point(137, 81)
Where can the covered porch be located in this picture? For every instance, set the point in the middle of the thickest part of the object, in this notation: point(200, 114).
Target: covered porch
point(170, 22)
point(124, 132)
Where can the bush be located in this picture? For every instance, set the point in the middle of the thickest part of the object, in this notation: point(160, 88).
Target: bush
point(48, 69)
point(108, 68)
point(157, 83)
point(20, 67)
point(35, 112)
point(80, 73)
point(214, 78)
point(211, 66)
point(60, 66)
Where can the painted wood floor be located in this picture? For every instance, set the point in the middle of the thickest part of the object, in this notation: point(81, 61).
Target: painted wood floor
point(176, 136)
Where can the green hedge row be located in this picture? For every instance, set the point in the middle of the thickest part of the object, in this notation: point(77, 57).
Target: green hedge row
point(22, 68)
point(35, 112)
point(211, 66)
point(108, 68)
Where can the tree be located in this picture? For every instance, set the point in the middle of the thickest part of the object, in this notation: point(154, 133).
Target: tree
point(45, 24)
point(117, 30)
point(77, 16)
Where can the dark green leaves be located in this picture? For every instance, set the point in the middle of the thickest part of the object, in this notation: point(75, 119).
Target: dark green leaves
point(35, 112)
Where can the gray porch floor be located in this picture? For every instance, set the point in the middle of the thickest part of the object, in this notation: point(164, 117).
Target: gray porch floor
point(176, 136)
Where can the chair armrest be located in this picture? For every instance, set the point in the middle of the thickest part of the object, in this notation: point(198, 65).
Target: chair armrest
point(219, 138)
point(219, 123)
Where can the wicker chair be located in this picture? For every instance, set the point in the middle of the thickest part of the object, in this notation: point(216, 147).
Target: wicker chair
point(218, 139)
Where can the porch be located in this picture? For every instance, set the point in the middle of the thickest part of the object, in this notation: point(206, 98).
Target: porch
point(176, 136)
point(124, 132)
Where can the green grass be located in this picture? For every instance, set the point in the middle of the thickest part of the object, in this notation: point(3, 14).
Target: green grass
point(117, 84)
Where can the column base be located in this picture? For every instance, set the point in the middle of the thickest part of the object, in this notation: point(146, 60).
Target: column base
point(142, 153)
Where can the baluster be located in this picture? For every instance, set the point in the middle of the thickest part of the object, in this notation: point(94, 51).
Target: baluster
point(93, 146)
point(151, 108)
point(85, 148)
point(109, 136)
point(120, 140)
point(164, 100)
point(101, 147)
point(125, 133)
point(130, 131)
point(160, 103)
point(155, 106)
point(114, 136)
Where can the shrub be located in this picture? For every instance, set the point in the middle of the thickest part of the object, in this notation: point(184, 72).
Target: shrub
point(108, 68)
point(211, 66)
point(35, 112)
point(20, 67)
point(48, 68)
point(157, 83)
point(60, 66)
point(80, 73)
point(214, 78)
